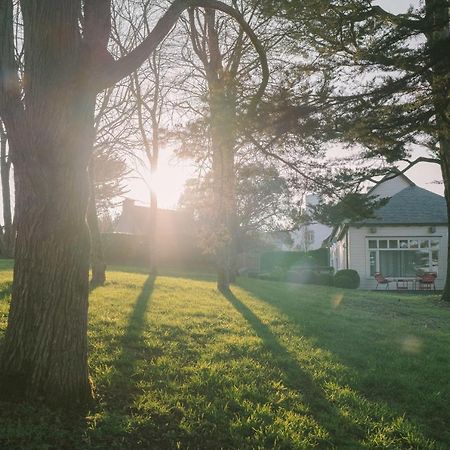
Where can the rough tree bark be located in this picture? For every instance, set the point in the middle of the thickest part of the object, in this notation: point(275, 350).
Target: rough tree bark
point(222, 121)
point(50, 133)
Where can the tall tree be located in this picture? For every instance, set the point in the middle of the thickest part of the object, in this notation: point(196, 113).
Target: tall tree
point(224, 62)
point(49, 118)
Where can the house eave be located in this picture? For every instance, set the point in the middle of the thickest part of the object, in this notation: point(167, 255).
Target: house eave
point(396, 224)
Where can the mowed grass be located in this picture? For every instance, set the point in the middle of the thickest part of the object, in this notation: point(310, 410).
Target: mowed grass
point(176, 364)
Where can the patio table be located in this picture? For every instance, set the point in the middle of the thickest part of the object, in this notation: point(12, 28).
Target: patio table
point(406, 284)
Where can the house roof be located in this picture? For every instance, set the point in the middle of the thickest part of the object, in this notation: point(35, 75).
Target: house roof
point(136, 220)
point(411, 206)
point(390, 177)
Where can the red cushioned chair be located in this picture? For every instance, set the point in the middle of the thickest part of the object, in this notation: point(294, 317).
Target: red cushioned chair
point(380, 279)
point(427, 280)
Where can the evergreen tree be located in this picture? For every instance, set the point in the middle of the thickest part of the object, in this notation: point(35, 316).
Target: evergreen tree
point(370, 78)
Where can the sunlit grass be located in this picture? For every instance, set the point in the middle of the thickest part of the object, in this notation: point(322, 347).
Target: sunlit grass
point(178, 365)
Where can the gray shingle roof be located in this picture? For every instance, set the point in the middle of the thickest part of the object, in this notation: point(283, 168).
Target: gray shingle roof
point(412, 205)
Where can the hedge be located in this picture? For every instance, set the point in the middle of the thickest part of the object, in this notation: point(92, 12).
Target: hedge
point(128, 249)
point(314, 258)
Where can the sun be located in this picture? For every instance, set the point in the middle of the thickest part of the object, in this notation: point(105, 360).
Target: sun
point(167, 183)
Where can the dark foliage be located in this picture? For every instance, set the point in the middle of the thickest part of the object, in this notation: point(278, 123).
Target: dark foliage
point(286, 260)
point(347, 278)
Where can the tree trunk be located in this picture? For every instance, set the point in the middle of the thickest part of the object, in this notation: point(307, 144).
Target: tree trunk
point(445, 167)
point(5, 169)
point(438, 17)
point(44, 353)
point(224, 180)
point(153, 159)
point(98, 265)
point(222, 104)
point(45, 346)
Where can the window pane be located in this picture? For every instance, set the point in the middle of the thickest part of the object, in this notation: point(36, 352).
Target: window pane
point(434, 260)
point(372, 244)
point(403, 243)
point(413, 243)
point(382, 243)
point(424, 243)
point(373, 262)
point(422, 261)
point(434, 243)
point(393, 244)
point(405, 263)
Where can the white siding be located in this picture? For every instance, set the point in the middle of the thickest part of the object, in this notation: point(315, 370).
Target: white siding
point(358, 251)
point(338, 255)
point(319, 233)
point(310, 236)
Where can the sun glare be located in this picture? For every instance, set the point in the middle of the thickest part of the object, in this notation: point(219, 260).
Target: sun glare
point(167, 183)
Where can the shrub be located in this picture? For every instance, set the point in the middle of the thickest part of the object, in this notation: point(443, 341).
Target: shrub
point(315, 258)
point(347, 278)
point(324, 279)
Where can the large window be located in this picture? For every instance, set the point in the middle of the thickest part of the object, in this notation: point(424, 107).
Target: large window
point(403, 257)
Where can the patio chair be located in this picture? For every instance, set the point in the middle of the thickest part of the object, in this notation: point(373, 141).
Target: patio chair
point(427, 280)
point(380, 279)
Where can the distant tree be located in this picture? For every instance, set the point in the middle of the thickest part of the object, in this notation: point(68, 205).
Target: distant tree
point(149, 87)
point(264, 202)
point(7, 234)
point(49, 119)
point(107, 167)
point(225, 65)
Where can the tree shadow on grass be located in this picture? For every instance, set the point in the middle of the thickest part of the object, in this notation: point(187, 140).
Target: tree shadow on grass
point(297, 379)
point(28, 425)
point(121, 386)
point(374, 394)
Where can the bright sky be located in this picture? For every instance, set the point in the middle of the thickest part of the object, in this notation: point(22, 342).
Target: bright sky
point(168, 184)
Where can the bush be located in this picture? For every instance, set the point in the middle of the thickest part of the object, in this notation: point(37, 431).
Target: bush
point(324, 279)
point(347, 279)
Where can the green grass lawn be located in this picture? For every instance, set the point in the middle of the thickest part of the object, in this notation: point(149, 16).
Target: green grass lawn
point(177, 365)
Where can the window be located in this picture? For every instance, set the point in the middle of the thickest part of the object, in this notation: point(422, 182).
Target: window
point(309, 236)
point(403, 257)
point(373, 262)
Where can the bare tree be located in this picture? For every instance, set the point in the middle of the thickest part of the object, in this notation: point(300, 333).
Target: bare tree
point(150, 87)
point(226, 63)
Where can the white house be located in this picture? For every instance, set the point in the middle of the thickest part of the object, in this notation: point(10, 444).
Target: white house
point(310, 236)
point(408, 235)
